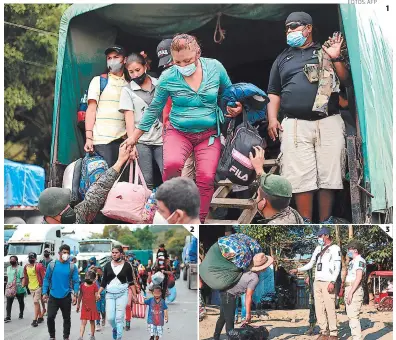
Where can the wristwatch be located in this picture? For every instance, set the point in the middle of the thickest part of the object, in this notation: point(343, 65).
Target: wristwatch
point(340, 58)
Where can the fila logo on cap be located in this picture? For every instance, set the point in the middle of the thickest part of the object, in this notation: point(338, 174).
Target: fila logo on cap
point(161, 53)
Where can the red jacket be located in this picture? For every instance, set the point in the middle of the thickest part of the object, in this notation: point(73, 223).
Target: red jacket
point(40, 272)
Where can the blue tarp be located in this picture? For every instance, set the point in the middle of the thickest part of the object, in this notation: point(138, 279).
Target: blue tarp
point(8, 234)
point(190, 251)
point(23, 184)
point(265, 286)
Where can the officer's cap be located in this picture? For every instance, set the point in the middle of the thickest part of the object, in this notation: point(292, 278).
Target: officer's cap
point(323, 231)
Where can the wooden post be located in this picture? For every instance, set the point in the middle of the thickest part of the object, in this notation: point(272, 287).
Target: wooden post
point(353, 166)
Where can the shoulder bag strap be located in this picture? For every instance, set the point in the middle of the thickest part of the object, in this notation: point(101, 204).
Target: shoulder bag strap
point(323, 251)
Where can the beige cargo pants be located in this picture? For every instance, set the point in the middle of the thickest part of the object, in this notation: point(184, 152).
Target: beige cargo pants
point(325, 308)
point(353, 311)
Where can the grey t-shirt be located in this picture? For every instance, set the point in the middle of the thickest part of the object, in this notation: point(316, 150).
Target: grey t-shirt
point(133, 98)
point(248, 280)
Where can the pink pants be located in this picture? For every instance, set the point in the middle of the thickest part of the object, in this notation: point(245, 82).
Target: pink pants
point(178, 146)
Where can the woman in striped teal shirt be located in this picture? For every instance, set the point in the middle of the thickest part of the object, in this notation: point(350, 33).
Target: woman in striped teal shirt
point(194, 84)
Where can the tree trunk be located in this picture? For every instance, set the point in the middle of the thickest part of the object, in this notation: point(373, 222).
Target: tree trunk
point(350, 232)
point(343, 259)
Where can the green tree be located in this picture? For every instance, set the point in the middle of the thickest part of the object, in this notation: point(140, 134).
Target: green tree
point(145, 237)
point(29, 77)
point(377, 245)
point(169, 234)
point(111, 231)
point(283, 241)
point(129, 240)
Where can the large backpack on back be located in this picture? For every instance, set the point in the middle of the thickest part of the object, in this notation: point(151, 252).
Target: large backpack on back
point(234, 162)
point(93, 166)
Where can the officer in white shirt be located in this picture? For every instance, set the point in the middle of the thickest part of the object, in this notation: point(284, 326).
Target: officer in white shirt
point(353, 287)
point(327, 257)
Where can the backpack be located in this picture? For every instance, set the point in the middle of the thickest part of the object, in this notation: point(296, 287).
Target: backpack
point(51, 266)
point(104, 79)
point(93, 166)
point(71, 180)
point(234, 162)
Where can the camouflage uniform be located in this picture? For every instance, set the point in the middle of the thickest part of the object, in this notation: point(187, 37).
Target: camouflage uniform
point(286, 216)
point(95, 197)
point(324, 73)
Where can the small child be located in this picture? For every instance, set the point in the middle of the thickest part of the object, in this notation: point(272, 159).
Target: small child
point(162, 252)
point(158, 311)
point(87, 295)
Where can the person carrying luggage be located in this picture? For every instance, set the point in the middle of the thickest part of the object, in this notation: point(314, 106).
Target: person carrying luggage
point(54, 203)
point(194, 84)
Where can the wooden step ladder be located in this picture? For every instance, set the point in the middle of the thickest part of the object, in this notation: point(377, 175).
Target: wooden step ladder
point(248, 206)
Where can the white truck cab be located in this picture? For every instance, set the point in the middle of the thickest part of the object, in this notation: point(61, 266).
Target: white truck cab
point(28, 238)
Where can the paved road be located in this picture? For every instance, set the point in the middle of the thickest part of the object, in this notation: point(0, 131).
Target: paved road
point(182, 321)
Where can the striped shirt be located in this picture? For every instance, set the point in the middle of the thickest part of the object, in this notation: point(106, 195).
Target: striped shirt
point(109, 123)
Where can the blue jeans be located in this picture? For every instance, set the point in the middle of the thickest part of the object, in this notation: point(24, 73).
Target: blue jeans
point(115, 310)
point(243, 307)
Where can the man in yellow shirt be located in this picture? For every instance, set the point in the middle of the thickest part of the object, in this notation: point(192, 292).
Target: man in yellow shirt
point(104, 125)
point(33, 279)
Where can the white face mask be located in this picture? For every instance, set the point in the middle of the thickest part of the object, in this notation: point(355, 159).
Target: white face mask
point(114, 66)
point(65, 257)
point(159, 219)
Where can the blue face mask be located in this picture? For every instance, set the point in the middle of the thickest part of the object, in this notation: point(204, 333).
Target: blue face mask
point(320, 241)
point(350, 254)
point(187, 70)
point(296, 39)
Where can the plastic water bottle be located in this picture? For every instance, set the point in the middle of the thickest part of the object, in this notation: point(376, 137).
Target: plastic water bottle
point(82, 110)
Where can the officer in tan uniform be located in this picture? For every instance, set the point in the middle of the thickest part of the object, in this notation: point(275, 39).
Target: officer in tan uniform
point(353, 287)
point(327, 258)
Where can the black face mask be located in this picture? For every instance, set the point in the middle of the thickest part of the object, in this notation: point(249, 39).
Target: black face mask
point(139, 80)
point(69, 216)
point(32, 261)
point(13, 263)
point(88, 281)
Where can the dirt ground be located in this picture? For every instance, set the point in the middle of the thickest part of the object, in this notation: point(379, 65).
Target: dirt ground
point(293, 324)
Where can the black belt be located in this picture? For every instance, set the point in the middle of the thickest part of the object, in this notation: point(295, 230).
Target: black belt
point(313, 119)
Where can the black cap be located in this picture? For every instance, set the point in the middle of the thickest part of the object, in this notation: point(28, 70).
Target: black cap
point(32, 255)
point(302, 17)
point(116, 48)
point(164, 52)
point(353, 244)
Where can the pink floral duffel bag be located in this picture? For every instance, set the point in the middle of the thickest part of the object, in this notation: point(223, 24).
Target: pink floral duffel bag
point(126, 200)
